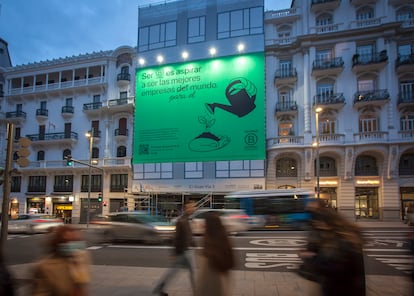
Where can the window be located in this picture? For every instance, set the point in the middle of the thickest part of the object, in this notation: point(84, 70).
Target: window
point(407, 122)
point(365, 13)
point(196, 29)
point(366, 85)
point(63, 183)
point(16, 183)
point(43, 105)
point(286, 167)
point(285, 130)
point(96, 98)
point(123, 95)
point(119, 182)
point(324, 55)
point(240, 169)
point(368, 122)
point(285, 67)
point(406, 166)
point(125, 70)
point(327, 167)
point(157, 36)
point(95, 128)
point(324, 20)
point(283, 34)
point(40, 155)
point(96, 183)
point(193, 170)
point(69, 102)
point(366, 166)
point(247, 21)
point(37, 184)
point(406, 91)
point(155, 171)
point(121, 151)
point(365, 53)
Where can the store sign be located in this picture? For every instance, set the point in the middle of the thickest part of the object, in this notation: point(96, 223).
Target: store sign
point(64, 207)
point(206, 110)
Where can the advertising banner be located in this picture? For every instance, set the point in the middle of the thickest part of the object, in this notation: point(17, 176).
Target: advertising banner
point(206, 110)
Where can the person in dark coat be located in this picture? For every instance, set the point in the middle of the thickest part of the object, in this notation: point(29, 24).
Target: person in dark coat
point(338, 257)
point(184, 256)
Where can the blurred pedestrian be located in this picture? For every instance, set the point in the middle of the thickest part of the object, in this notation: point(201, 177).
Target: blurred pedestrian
point(216, 259)
point(184, 255)
point(6, 281)
point(65, 271)
point(336, 254)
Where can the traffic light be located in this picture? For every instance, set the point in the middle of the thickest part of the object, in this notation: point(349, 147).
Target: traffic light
point(69, 160)
point(100, 197)
point(1, 175)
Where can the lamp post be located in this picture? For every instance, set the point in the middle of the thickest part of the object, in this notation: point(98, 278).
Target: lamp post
point(318, 189)
point(90, 136)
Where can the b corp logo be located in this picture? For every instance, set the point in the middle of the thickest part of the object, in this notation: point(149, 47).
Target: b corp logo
point(250, 139)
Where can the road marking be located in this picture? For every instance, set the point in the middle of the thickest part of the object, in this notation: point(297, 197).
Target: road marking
point(279, 242)
point(403, 263)
point(94, 247)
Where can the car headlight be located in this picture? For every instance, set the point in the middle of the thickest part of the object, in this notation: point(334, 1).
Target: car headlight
point(164, 227)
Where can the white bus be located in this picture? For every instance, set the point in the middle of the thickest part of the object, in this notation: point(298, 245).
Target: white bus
point(275, 209)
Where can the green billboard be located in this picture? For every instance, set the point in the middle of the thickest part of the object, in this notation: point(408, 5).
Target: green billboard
point(206, 110)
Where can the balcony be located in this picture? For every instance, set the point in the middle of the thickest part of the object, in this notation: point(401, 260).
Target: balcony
point(53, 138)
point(330, 139)
point(286, 108)
point(406, 135)
point(405, 100)
point(399, 2)
point(329, 100)
point(42, 114)
point(370, 137)
point(65, 86)
point(360, 2)
point(121, 105)
point(322, 5)
point(16, 116)
point(369, 62)
point(327, 67)
point(282, 16)
point(63, 188)
point(92, 108)
point(331, 28)
point(123, 79)
point(68, 111)
point(377, 97)
point(285, 140)
point(366, 23)
point(404, 63)
point(285, 77)
point(121, 134)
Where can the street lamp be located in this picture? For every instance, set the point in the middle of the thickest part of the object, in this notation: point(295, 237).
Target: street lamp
point(90, 136)
point(318, 189)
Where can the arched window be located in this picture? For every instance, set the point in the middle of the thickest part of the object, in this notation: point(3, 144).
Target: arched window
point(286, 167)
point(121, 151)
point(366, 166)
point(405, 14)
point(365, 13)
point(40, 155)
point(327, 167)
point(324, 19)
point(122, 126)
point(66, 152)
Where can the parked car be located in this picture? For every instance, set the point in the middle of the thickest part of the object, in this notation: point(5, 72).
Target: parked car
point(137, 226)
point(33, 223)
point(235, 220)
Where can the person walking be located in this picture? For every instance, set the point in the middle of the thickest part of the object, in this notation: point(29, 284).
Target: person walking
point(65, 271)
point(184, 256)
point(215, 260)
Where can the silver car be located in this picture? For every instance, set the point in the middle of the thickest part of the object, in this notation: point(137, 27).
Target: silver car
point(137, 226)
point(33, 223)
point(234, 220)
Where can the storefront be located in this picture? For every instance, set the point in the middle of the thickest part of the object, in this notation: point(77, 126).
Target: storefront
point(36, 205)
point(366, 202)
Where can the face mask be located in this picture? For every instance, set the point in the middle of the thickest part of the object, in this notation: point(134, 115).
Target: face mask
point(69, 248)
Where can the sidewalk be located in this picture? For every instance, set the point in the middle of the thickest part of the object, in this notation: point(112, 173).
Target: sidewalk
point(137, 281)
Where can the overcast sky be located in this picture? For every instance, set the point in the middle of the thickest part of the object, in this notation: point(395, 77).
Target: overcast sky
point(46, 29)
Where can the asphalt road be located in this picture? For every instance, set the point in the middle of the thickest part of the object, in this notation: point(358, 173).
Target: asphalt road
point(386, 251)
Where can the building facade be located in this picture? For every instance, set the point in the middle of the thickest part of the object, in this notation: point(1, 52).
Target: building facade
point(340, 93)
point(54, 104)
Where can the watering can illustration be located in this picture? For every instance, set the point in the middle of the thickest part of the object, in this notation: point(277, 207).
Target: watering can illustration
point(241, 94)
